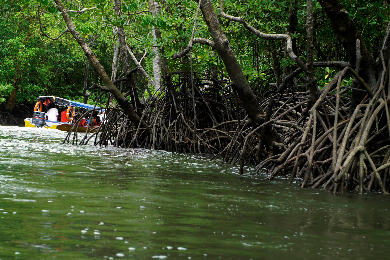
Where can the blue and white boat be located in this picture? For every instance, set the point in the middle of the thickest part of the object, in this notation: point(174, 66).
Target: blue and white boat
point(59, 113)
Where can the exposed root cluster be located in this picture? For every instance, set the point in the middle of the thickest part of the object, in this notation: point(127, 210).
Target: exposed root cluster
point(337, 146)
point(332, 145)
point(183, 118)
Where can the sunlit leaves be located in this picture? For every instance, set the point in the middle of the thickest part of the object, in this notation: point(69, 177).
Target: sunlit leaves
point(129, 7)
point(27, 57)
point(5, 90)
point(44, 3)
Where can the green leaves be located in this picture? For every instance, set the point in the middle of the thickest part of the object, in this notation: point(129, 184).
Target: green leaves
point(58, 66)
point(44, 3)
point(130, 7)
point(5, 90)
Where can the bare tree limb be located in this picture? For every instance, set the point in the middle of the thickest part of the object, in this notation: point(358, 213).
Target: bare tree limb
point(286, 37)
point(187, 50)
point(121, 34)
point(43, 32)
point(335, 64)
point(385, 51)
point(82, 10)
point(193, 40)
point(95, 86)
point(195, 22)
point(139, 66)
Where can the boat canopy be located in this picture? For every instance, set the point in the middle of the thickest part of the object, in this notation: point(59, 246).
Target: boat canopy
point(65, 102)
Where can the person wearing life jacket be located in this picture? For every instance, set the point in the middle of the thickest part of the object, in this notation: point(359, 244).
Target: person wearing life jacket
point(64, 119)
point(47, 102)
point(83, 122)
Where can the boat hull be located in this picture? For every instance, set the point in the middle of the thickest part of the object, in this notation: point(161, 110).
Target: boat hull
point(61, 126)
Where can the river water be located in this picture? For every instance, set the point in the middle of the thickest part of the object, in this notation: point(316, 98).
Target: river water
point(60, 201)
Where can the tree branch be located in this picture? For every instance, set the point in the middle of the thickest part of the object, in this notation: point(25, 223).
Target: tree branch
point(41, 27)
point(335, 64)
point(188, 48)
point(286, 37)
point(139, 66)
point(82, 10)
point(97, 86)
point(194, 40)
point(385, 51)
point(127, 76)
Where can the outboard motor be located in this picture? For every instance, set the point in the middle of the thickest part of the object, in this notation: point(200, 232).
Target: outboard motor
point(38, 119)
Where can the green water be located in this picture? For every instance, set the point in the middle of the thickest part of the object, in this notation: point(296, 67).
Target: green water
point(82, 202)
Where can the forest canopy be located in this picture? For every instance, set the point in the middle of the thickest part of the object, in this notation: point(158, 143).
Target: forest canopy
point(39, 65)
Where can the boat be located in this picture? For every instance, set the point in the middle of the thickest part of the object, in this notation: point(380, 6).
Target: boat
point(59, 113)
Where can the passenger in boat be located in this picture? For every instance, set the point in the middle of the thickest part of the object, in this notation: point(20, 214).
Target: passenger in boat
point(95, 119)
point(102, 116)
point(52, 113)
point(64, 119)
point(47, 102)
point(83, 122)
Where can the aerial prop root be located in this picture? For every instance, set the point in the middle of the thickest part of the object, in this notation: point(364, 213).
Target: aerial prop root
point(336, 156)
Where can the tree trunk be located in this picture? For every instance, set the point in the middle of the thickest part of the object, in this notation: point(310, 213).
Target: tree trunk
point(158, 60)
point(276, 64)
point(345, 29)
point(85, 86)
point(222, 46)
point(120, 52)
point(312, 81)
point(15, 84)
point(115, 61)
point(12, 97)
point(293, 23)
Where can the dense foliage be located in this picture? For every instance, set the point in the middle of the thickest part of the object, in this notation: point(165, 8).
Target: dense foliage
point(40, 65)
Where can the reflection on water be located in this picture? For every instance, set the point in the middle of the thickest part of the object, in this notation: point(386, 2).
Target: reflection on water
point(80, 202)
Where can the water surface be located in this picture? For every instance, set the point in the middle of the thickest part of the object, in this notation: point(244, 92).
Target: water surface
point(82, 202)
